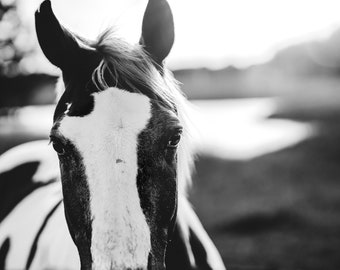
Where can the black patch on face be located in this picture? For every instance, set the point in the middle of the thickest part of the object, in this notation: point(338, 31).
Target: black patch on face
point(78, 85)
point(3, 252)
point(77, 202)
point(16, 184)
point(37, 237)
point(157, 183)
point(82, 103)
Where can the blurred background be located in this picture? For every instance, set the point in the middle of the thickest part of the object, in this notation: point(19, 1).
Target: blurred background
point(264, 78)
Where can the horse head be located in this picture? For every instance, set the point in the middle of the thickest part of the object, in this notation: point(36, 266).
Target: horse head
point(117, 131)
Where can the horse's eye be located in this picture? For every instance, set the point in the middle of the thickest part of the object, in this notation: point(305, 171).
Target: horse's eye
point(58, 147)
point(174, 140)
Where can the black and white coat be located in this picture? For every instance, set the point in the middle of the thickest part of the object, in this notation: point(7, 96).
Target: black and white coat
point(119, 199)
point(33, 229)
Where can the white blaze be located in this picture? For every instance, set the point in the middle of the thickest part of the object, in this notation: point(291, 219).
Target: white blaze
point(107, 141)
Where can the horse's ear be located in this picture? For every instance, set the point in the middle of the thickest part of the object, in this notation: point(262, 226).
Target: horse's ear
point(157, 30)
point(56, 42)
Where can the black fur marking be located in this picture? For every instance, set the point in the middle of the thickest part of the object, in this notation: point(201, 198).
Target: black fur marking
point(62, 48)
point(177, 256)
point(158, 30)
point(73, 56)
point(36, 239)
point(82, 102)
point(78, 89)
point(157, 183)
point(16, 184)
point(3, 253)
point(199, 251)
point(77, 203)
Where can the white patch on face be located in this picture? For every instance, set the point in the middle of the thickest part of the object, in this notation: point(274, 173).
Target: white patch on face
point(107, 142)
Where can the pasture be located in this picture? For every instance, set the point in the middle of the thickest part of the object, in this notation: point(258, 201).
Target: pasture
point(279, 210)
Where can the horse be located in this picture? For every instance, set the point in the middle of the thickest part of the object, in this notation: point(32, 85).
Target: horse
point(121, 132)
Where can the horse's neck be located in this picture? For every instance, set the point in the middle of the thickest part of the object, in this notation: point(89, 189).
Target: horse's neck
point(32, 220)
point(191, 247)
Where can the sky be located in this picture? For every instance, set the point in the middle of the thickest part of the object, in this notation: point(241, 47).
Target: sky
point(209, 33)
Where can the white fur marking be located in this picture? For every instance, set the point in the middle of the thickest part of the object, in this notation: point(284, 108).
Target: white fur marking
point(120, 234)
point(187, 216)
point(68, 106)
point(56, 249)
point(23, 223)
point(36, 151)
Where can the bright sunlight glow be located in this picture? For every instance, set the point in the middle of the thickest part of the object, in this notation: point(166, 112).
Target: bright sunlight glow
point(211, 33)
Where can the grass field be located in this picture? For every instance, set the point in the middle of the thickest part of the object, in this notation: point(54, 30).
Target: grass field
point(279, 210)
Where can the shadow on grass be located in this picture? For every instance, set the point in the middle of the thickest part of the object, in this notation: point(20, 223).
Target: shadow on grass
point(255, 223)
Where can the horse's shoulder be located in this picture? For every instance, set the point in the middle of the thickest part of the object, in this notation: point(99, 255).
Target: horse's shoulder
point(23, 169)
point(29, 194)
point(191, 247)
point(31, 152)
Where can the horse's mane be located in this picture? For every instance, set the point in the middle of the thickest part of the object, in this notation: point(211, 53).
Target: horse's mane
point(132, 65)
